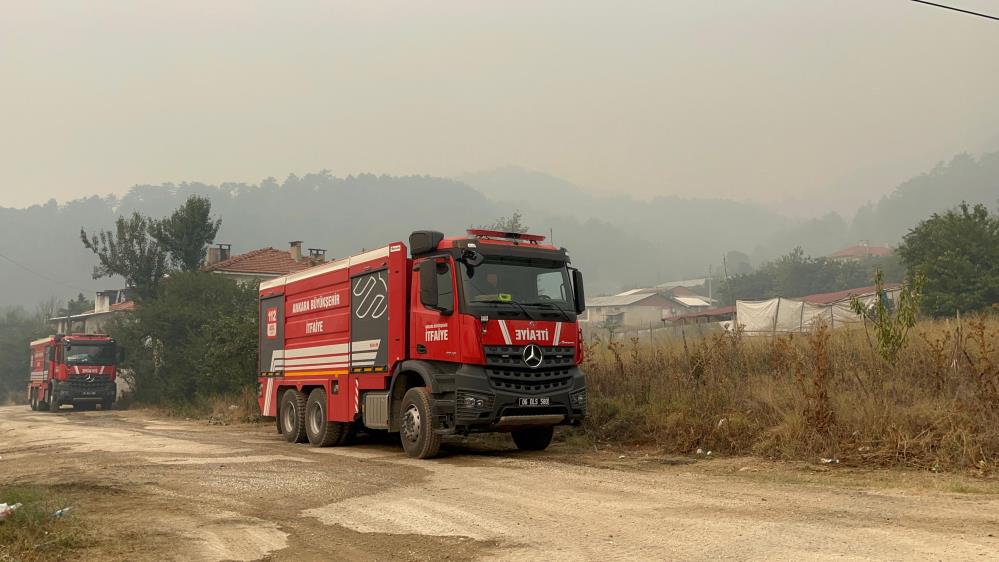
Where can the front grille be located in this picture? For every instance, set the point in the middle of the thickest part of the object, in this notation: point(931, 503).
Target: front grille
point(512, 356)
point(529, 382)
point(508, 372)
point(80, 384)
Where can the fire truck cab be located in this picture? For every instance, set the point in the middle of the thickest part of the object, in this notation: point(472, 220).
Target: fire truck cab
point(476, 333)
point(77, 369)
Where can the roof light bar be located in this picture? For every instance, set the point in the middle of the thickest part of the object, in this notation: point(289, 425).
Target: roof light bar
point(484, 233)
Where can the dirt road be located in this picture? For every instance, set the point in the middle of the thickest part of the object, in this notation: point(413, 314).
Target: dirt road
point(165, 489)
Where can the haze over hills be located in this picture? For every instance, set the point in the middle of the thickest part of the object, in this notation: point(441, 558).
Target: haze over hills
point(618, 241)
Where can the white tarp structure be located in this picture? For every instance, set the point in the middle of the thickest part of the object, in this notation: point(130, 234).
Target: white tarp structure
point(782, 315)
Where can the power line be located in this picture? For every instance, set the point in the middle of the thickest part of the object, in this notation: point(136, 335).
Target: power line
point(957, 9)
point(41, 275)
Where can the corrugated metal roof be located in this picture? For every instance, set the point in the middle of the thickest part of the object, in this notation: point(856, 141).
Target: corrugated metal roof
point(618, 300)
point(684, 283)
point(691, 301)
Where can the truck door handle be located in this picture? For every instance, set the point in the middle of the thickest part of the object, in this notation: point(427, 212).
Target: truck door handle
point(420, 348)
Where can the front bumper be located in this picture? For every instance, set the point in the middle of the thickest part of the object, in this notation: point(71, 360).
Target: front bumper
point(72, 390)
point(485, 399)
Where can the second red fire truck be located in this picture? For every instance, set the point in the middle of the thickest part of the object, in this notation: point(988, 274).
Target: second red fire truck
point(77, 369)
point(476, 333)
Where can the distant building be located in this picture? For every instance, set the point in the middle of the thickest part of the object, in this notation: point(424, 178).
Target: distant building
point(265, 263)
point(106, 305)
point(632, 310)
point(859, 252)
point(638, 308)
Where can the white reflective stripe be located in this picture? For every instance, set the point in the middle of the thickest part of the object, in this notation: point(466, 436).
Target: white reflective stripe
point(365, 345)
point(558, 333)
point(312, 360)
point(267, 397)
point(506, 333)
point(318, 350)
point(360, 356)
point(316, 367)
point(361, 363)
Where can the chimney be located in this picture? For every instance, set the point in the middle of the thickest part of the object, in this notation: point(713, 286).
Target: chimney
point(220, 252)
point(296, 250)
point(317, 255)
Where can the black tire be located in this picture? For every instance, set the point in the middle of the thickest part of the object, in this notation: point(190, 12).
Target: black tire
point(33, 400)
point(417, 428)
point(320, 431)
point(107, 404)
point(292, 416)
point(50, 404)
point(84, 406)
point(533, 439)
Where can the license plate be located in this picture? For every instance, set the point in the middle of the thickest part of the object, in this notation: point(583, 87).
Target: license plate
point(535, 401)
point(90, 393)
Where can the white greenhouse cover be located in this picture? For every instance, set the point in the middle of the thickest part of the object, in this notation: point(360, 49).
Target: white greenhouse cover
point(790, 315)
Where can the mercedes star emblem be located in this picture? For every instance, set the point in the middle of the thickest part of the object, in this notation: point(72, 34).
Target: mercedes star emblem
point(89, 378)
point(533, 356)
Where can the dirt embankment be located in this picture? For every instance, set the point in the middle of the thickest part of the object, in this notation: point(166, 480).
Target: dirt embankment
point(151, 488)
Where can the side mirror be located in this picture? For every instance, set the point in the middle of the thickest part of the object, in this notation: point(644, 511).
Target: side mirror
point(579, 296)
point(472, 258)
point(51, 354)
point(428, 284)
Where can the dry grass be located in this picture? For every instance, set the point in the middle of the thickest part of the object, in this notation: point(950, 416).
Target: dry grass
point(825, 394)
point(32, 533)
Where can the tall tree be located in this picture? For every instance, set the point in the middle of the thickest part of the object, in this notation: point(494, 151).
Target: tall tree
point(958, 252)
point(129, 251)
point(513, 223)
point(187, 233)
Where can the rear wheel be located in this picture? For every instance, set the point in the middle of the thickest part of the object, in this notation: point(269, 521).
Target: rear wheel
point(292, 416)
point(533, 439)
point(320, 431)
point(50, 403)
point(33, 401)
point(417, 429)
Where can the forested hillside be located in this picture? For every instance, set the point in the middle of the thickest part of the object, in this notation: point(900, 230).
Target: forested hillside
point(618, 240)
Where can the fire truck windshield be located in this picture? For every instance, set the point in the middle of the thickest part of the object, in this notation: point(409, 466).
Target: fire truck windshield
point(519, 283)
point(90, 354)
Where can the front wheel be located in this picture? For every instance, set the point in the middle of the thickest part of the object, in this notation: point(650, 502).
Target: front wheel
point(417, 429)
point(533, 439)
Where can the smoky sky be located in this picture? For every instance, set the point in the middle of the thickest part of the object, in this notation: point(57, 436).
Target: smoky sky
point(803, 105)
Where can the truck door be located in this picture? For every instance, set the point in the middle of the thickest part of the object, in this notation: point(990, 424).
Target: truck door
point(434, 328)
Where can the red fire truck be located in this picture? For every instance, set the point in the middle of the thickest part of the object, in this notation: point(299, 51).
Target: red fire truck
point(77, 369)
point(475, 333)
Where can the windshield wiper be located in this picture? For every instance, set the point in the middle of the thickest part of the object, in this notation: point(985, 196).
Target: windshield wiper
point(510, 301)
point(550, 304)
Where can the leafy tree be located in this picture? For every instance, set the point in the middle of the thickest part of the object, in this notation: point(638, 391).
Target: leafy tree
point(958, 252)
point(196, 338)
point(513, 223)
point(77, 306)
point(17, 329)
point(129, 251)
point(797, 275)
point(187, 233)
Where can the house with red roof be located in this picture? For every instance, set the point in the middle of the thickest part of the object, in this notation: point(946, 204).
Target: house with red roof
point(859, 252)
point(261, 264)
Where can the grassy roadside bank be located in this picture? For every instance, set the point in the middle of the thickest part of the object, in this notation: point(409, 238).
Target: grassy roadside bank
point(827, 394)
point(33, 532)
